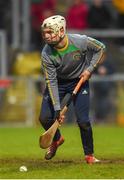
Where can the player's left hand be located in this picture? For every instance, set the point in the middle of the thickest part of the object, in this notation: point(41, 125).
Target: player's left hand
point(86, 75)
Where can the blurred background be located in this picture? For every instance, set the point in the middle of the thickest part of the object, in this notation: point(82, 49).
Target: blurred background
point(21, 77)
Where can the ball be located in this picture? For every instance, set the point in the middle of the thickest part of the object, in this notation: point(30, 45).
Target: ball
point(23, 169)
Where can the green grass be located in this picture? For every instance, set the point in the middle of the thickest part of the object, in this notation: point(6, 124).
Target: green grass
point(19, 146)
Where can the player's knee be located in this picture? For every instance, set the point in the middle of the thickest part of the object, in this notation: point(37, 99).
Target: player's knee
point(85, 125)
point(43, 119)
point(46, 121)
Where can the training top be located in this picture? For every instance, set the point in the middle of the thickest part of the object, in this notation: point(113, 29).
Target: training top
point(80, 53)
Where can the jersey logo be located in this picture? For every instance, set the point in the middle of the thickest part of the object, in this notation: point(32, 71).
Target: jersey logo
point(84, 91)
point(76, 55)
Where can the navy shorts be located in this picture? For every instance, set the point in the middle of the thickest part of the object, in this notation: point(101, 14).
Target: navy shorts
point(80, 102)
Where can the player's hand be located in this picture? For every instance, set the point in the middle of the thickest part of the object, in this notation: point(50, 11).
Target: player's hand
point(60, 118)
point(86, 75)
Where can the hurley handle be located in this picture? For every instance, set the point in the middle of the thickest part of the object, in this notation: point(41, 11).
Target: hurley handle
point(76, 89)
point(70, 97)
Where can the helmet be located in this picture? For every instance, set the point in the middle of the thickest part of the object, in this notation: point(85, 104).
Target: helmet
point(55, 23)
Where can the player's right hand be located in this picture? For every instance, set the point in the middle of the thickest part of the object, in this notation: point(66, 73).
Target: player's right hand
point(59, 117)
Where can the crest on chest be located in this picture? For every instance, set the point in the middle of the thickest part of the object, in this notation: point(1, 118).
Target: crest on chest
point(76, 55)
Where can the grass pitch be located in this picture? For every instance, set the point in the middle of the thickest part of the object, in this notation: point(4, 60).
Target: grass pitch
point(19, 146)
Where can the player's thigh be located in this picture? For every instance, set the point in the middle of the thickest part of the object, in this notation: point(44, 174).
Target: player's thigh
point(47, 111)
point(81, 105)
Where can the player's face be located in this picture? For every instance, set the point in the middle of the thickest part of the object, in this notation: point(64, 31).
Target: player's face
point(49, 36)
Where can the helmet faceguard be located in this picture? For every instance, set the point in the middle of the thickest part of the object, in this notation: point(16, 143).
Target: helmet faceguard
point(55, 23)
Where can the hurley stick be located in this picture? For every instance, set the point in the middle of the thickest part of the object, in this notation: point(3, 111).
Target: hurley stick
point(46, 138)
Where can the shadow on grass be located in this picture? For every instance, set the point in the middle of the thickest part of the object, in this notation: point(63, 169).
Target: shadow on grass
point(41, 162)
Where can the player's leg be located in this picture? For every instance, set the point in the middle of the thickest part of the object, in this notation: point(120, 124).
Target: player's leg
point(47, 114)
point(81, 104)
point(47, 119)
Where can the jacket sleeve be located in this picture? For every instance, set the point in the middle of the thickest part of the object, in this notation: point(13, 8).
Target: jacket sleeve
point(51, 80)
point(98, 50)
